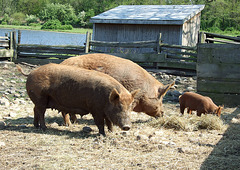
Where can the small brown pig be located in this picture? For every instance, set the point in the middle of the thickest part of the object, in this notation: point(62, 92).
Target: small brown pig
point(196, 102)
point(74, 90)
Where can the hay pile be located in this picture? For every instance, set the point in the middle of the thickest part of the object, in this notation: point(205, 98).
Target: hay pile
point(189, 122)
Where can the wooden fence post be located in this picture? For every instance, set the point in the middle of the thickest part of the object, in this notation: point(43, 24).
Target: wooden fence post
point(159, 43)
point(11, 45)
point(201, 37)
point(87, 44)
point(14, 45)
point(19, 36)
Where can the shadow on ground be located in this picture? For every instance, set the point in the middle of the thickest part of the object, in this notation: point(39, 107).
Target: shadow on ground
point(25, 125)
point(226, 154)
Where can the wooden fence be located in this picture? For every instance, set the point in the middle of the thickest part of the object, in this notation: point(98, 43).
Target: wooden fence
point(163, 57)
point(8, 46)
point(43, 54)
point(170, 56)
point(218, 69)
point(206, 37)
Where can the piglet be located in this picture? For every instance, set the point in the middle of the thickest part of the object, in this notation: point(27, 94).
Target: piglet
point(196, 102)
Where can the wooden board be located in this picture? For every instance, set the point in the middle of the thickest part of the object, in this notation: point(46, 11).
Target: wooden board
point(218, 86)
point(36, 61)
point(231, 100)
point(4, 53)
point(219, 53)
point(218, 71)
point(147, 58)
point(177, 65)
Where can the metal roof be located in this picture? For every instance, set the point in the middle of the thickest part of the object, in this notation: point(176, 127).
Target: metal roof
point(148, 14)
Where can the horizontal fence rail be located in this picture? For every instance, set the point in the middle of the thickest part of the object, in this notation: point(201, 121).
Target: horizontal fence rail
point(4, 42)
point(165, 55)
point(8, 46)
point(211, 38)
point(28, 52)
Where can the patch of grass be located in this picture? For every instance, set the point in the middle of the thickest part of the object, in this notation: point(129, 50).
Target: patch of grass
point(189, 123)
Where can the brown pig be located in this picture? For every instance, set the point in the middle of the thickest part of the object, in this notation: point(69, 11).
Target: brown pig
point(75, 90)
point(196, 102)
point(131, 76)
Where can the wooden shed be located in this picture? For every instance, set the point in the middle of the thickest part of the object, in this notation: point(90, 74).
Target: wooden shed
point(179, 24)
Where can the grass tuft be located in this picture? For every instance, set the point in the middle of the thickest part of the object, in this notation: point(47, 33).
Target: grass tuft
point(189, 122)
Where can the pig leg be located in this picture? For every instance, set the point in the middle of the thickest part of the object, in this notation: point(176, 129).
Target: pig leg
point(36, 118)
point(99, 121)
point(66, 119)
point(39, 112)
point(182, 108)
point(109, 124)
point(73, 118)
point(189, 111)
point(199, 112)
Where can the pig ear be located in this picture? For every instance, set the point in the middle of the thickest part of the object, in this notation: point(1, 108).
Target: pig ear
point(114, 96)
point(163, 90)
point(219, 109)
point(135, 92)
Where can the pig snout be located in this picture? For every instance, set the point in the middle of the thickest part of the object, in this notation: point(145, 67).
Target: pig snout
point(159, 114)
point(124, 123)
point(126, 127)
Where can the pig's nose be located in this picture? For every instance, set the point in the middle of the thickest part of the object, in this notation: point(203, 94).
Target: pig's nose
point(126, 127)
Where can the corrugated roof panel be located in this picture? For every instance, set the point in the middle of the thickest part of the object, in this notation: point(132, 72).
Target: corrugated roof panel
point(148, 14)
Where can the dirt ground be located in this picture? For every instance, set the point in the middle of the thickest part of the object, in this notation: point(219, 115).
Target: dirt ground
point(145, 146)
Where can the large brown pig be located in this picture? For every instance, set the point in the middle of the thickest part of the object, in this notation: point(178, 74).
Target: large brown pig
point(130, 75)
point(76, 90)
point(196, 102)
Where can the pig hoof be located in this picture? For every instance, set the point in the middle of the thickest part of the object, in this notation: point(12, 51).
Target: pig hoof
point(36, 126)
point(126, 128)
point(43, 128)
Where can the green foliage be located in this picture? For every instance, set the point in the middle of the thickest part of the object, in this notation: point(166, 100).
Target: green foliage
point(56, 25)
point(52, 24)
point(217, 15)
point(30, 7)
point(81, 18)
point(31, 19)
point(5, 19)
point(17, 18)
point(4, 23)
point(64, 13)
point(66, 27)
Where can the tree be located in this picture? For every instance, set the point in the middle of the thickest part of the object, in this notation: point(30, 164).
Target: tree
point(30, 7)
point(64, 13)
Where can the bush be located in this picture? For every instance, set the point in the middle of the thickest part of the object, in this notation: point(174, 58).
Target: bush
point(4, 23)
point(214, 29)
point(5, 19)
point(64, 13)
point(34, 24)
point(52, 24)
point(81, 19)
point(17, 18)
point(66, 27)
point(31, 19)
point(56, 25)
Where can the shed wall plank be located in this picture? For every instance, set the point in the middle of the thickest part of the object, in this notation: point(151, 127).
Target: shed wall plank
point(127, 33)
point(223, 99)
point(219, 53)
point(218, 71)
point(218, 86)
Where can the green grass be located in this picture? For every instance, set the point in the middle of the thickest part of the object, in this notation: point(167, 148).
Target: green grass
point(74, 30)
point(228, 33)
